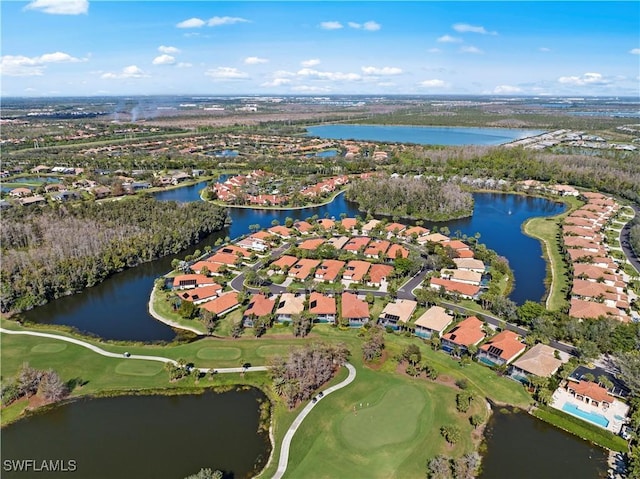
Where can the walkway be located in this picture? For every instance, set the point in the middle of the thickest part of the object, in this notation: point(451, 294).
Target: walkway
point(286, 442)
point(109, 354)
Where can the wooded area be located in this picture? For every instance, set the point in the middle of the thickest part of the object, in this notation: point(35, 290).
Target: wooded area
point(420, 198)
point(58, 250)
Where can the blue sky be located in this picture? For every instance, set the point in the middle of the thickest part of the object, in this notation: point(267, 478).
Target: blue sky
point(80, 47)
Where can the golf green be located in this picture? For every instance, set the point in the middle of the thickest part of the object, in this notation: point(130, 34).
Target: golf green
point(49, 347)
point(379, 421)
point(139, 368)
point(223, 353)
point(270, 350)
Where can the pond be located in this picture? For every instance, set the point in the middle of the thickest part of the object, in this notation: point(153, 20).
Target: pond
point(520, 445)
point(117, 308)
point(144, 436)
point(423, 135)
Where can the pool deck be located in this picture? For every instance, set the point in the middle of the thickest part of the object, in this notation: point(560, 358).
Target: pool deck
point(618, 408)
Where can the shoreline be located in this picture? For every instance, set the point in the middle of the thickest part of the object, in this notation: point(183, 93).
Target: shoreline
point(275, 208)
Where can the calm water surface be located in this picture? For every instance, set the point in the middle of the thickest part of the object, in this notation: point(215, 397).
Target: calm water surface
point(144, 436)
point(523, 447)
point(117, 308)
point(423, 135)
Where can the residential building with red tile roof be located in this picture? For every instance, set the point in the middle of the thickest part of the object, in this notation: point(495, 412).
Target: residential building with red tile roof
point(202, 294)
point(590, 393)
point(281, 231)
point(394, 229)
point(186, 281)
point(503, 348)
point(303, 227)
point(312, 244)
point(329, 270)
point(464, 334)
point(465, 253)
point(284, 262)
point(354, 310)
point(225, 258)
point(213, 268)
point(349, 223)
point(436, 238)
point(322, 307)
point(354, 244)
point(467, 291)
point(376, 247)
point(303, 268)
point(379, 274)
point(222, 304)
point(583, 309)
point(396, 251)
point(356, 270)
point(259, 307)
point(415, 231)
point(236, 250)
point(326, 223)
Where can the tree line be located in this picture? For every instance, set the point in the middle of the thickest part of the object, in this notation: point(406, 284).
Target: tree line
point(58, 250)
point(420, 198)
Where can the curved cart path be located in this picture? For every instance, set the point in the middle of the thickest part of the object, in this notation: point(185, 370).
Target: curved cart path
point(286, 442)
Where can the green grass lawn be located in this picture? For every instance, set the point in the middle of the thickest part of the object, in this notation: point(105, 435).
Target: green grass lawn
point(162, 305)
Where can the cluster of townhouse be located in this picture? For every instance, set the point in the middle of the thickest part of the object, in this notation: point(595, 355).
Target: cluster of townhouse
point(234, 188)
point(568, 138)
point(598, 289)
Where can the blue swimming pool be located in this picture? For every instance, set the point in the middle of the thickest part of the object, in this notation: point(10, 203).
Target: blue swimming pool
point(592, 417)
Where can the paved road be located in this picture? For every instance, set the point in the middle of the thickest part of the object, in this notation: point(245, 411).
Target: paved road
point(286, 442)
point(109, 354)
point(624, 242)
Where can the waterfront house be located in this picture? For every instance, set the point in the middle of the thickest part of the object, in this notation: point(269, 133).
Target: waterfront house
point(20, 192)
point(32, 200)
point(462, 276)
point(503, 348)
point(201, 295)
point(433, 321)
point(281, 231)
point(397, 314)
point(590, 393)
point(223, 304)
point(467, 291)
point(354, 310)
point(466, 333)
point(289, 305)
point(322, 307)
point(329, 270)
point(369, 226)
point(186, 281)
point(540, 361)
point(303, 227)
point(259, 307)
point(349, 224)
point(326, 223)
point(212, 268)
point(469, 264)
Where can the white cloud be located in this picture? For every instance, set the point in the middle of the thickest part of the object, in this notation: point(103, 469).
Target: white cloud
point(283, 74)
point(466, 28)
point(331, 25)
point(434, 83)
point(217, 21)
point(168, 50)
point(449, 39)
point(255, 60)
point(471, 49)
point(20, 65)
point(385, 83)
point(226, 73)
point(331, 76)
point(369, 26)
point(311, 89)
point(310, 63)
point(434, 50)
point(635, 51)
point(164, 60)
point(544, 49)
point(60, 7)
point(131, 71)
point(381, 71)
point(586, 79)
point(506, 89)
point(184, 65)
point(192, 23)
point(276, 82)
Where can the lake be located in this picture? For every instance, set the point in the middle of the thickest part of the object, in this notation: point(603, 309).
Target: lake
point(423, 135)
point(117, 308)
point(524, 447)
point(144, 436)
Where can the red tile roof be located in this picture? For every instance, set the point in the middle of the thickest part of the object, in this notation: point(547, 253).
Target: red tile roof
point(455, 286)
point(356, 270)
point(379, 271)
point(222, 303)
point(505, 345)
point(352, 307)
point(311, 244)
point(329, 269)
point(321, 304)
point(590, 390)
point(197, 294)
point(396, 250)
point(191, 280)
point(354, 244)
point(285, 261)
point(466, 333)
point(260, 306)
